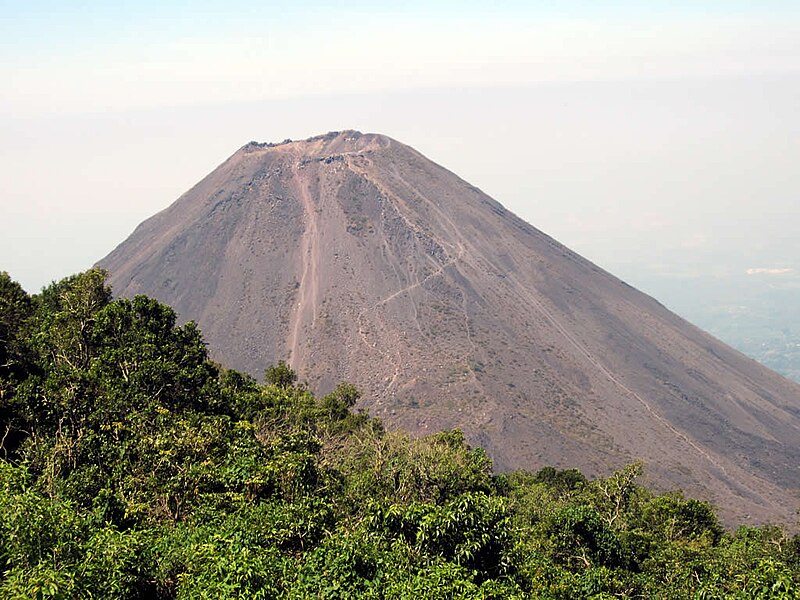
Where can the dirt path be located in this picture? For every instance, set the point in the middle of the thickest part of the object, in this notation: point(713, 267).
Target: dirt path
point(461, 251)
point(305, 312)
point(456, 253)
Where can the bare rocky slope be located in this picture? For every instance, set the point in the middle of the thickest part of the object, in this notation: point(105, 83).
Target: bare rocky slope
point(356, 258)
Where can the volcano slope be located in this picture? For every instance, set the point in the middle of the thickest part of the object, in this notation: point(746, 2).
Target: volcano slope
point(356, 258)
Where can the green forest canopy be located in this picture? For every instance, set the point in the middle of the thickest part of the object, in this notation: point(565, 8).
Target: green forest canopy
point(134, 467)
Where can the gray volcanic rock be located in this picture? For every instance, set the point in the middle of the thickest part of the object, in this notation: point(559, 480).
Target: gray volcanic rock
point(356, 258)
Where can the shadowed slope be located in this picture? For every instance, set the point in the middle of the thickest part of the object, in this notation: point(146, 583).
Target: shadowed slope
point(359, 259)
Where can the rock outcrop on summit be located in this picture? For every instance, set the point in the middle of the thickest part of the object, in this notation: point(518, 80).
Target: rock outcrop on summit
point(355, 258)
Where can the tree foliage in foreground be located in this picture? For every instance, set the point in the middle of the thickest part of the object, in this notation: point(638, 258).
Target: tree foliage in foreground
point(133, 467)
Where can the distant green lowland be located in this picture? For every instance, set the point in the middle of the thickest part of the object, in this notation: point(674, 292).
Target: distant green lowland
point(133, 467)
point(756, 313)
point(769, 334)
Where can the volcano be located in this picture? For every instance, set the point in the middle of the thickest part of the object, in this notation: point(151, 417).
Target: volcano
point(354, 257)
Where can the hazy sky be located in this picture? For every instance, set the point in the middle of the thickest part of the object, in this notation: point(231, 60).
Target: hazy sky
point(646, 135)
